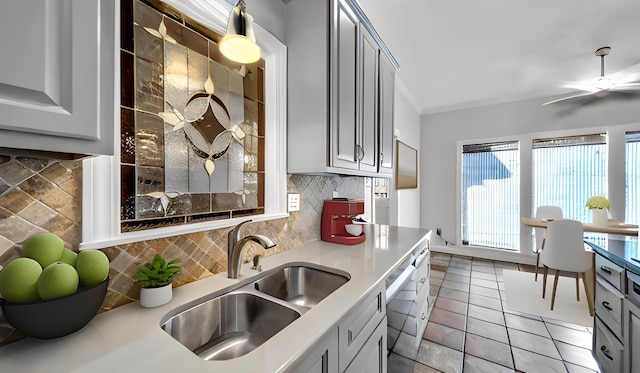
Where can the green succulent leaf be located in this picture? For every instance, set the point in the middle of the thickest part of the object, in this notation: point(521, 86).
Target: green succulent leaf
point(158, 272)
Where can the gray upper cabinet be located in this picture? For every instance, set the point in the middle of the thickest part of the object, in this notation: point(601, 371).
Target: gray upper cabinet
point(340, 91)
point(345, 132)
point(57, 76)
point(367, 141)
point(387, 91)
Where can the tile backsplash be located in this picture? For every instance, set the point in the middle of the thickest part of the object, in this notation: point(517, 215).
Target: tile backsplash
point(46, 195)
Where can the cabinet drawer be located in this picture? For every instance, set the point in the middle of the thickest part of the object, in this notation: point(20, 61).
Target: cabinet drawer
point(418, 315)
point(607, 350)
point(372, 357)
point(633, 288)
point(611, 272)
point(358, 325)
point(609, 306)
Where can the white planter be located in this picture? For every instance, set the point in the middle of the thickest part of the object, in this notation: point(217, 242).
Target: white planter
point(154, 297)
point(600, 217)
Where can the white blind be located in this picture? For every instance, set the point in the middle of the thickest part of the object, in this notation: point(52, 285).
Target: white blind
point(490, 194)
point(632, 172)
point(567, 171)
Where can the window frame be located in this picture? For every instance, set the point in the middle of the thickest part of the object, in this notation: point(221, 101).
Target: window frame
point(101, 174)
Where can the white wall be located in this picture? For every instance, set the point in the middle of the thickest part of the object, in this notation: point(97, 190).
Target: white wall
point(269, 14)
point(404, 204)
point(442, 133)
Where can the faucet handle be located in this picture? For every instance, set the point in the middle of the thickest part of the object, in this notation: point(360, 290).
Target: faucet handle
point(256, 263)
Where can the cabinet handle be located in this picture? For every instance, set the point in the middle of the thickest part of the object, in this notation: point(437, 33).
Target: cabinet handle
point(605, 304)
point(360, 152)
point(605, 352)
point(424, 316)
point(381, 156)
point(422, 280)
point(605, 269)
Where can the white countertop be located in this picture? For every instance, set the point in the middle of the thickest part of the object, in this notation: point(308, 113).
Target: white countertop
point(129, 338)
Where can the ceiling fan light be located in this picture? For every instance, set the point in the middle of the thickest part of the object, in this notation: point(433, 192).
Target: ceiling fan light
point(239, 43)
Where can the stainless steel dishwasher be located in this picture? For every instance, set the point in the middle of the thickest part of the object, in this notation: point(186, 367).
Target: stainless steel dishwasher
point(407, 295)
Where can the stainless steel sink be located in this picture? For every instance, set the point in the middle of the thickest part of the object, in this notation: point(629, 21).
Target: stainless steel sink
point(301, 285)
point(230, 325)
point(233, 322)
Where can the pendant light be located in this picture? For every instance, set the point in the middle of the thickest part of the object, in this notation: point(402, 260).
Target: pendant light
point(239, 43)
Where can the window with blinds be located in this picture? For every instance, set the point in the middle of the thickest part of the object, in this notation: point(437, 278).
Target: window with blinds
point(491, 194)
point(566, 171)
point(632, 178)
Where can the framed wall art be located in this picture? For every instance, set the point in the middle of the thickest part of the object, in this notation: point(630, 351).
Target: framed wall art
point(406, 166)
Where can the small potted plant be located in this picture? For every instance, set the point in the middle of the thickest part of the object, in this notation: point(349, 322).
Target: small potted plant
point(155, 280)
point(599, 206)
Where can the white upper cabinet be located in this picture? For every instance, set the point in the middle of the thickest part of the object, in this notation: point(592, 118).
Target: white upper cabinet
point(335, 103)
point(57, 78)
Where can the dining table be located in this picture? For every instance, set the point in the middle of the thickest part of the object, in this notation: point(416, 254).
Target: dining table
point(612, 227)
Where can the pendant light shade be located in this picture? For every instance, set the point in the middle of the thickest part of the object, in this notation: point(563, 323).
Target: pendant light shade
point(239, 43)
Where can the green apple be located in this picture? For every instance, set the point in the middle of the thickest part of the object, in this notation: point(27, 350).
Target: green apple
point(92, 267)
point(57, 280)
point(45, 248)
point(19, 280)
point(69, 257)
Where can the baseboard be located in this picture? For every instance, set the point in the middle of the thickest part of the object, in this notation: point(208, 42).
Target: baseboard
point(485, 253)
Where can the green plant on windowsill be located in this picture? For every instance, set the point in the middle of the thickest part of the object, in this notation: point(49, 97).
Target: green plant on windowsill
point(158, 272)
point(597, 202)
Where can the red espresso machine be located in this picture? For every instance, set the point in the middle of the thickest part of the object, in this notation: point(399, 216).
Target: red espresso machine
point(336, 214)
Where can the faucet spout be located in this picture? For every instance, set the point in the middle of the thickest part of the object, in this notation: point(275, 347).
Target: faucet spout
point(235, 245)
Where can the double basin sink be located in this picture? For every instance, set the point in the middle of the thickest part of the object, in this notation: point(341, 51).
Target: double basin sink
point(234, 322)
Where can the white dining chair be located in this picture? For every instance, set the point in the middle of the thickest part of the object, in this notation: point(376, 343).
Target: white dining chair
point(543, 212)
point(564, 251)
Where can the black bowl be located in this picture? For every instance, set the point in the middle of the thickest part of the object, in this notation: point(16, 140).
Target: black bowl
point(56, 317)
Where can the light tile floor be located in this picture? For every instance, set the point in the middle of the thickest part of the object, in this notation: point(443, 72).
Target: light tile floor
point(471, 329)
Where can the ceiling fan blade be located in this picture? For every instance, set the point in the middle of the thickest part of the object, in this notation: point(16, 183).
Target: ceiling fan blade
point(629, 75)
point(587, 86)
point(627, 88)
point(584, 94)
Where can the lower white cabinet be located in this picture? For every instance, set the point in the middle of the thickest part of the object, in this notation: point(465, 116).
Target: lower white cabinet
point(322, 358)
point(358, 343)
point(606, 348)
point(631, 337)
point(359, 324)
point(372, 358)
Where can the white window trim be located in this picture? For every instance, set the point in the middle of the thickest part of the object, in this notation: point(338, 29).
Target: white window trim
point(101, 174)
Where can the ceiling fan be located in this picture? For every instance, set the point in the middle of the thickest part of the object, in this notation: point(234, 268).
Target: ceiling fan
point(625, 81)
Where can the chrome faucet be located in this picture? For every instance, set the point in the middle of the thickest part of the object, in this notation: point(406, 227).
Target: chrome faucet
point(235, 244)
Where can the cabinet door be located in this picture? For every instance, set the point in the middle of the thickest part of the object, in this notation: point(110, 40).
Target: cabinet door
point(57, 76)
point(322, 358)
point(372, 358)
point(631, 333)
point(369, 100)
point(387, 92)
point(345, 95)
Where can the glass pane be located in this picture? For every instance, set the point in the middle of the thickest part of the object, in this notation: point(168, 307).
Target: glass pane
point(491, 195)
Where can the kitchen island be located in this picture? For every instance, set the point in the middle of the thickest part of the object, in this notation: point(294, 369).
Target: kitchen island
point(129, 338)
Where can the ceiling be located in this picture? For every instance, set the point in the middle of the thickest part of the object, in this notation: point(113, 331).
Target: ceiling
point(457, 55)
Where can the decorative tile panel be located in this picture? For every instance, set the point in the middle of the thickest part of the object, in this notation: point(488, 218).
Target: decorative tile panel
point(198, 126)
